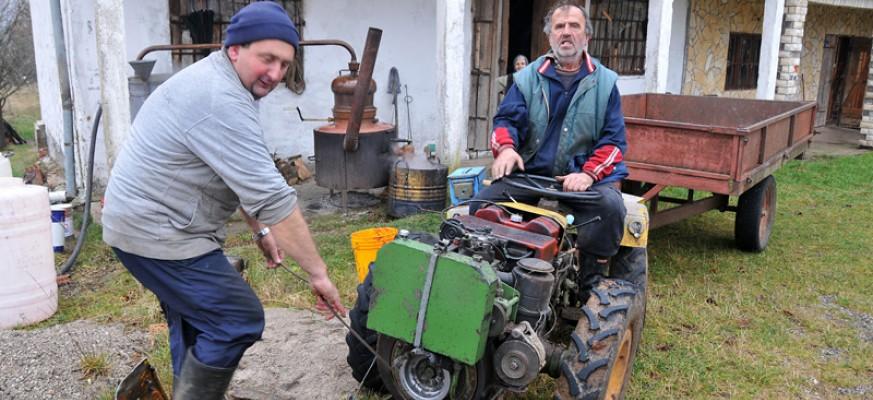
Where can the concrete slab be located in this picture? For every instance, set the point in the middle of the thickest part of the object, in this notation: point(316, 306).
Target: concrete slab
point(834, 141)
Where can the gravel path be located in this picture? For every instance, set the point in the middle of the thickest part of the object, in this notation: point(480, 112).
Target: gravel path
point(301, 356)
point(45, 364)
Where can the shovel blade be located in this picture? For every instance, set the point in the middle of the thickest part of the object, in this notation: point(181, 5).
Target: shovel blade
point(141, 384)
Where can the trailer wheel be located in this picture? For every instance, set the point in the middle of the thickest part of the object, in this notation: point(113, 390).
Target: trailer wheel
point(756, 212)
point(604, 343)
point(360, 359)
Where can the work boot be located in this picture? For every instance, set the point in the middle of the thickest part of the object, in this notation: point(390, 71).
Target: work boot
point(591, 270)
point(199, 381)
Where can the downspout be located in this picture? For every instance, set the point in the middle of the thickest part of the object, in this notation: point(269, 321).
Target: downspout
point(66, 98)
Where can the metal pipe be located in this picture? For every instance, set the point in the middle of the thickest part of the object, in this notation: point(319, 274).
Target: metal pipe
point(66, 99)
point(213, 46)
point(165, 47)
point(368, 62)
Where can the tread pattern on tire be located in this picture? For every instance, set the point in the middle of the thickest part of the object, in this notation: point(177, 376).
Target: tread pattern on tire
point(595, 341)
point(359, 358)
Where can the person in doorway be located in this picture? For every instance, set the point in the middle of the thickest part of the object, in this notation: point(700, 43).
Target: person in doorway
point(505, 81)
point(195, 155)
point(562, 118)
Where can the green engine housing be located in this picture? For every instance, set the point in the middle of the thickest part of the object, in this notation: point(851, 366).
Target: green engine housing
point(458, 312)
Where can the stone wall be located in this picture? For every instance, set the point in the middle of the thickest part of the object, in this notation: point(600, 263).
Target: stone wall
point(710, 23)
point(790, 51)
point(820, 21)
point(867, 115)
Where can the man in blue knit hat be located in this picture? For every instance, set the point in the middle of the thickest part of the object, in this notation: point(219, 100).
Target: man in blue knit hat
point(197, 154)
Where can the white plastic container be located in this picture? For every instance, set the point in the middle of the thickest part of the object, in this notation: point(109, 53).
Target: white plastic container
point(5, 167)
point(28, 289)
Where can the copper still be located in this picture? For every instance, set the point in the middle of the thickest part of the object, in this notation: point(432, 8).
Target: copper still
point(353, 150)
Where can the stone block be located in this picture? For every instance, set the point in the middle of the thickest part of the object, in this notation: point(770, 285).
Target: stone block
point(792, 47)
point(866, 144)
point(793, 32)
point(795, 17)
point(789, 39)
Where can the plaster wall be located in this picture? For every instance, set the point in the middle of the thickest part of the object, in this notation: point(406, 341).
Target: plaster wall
point(710, 23)
point(822, 20)
point(408, 43)
point(146, 23)
point(47, 80)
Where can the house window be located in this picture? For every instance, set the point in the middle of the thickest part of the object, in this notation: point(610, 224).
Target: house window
point(742, 61)
point(618, 37)
point(205, 21)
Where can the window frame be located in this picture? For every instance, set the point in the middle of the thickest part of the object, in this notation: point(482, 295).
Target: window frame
point(742, 62)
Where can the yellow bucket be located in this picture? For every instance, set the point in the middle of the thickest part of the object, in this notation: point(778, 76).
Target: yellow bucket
point(366, 244)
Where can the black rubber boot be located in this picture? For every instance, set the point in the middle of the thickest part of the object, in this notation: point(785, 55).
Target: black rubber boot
point(591, 271)
point(199, 381)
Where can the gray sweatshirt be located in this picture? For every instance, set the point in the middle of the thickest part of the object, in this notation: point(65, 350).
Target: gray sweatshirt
point(196, 153)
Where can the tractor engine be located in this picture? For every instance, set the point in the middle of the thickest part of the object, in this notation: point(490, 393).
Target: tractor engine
point(524, 254)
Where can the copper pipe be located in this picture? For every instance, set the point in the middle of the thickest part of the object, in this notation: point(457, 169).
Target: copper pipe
point(164, 47)
point(368, 62)
point(212, 46)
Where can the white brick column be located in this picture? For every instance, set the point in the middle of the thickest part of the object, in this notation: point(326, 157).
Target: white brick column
point(867, 114)
point(790, 48)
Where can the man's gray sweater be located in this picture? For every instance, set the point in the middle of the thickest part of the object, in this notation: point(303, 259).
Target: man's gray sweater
point(196, 153)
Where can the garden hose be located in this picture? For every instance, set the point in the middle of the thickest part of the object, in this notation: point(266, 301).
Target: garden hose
point(80, 241)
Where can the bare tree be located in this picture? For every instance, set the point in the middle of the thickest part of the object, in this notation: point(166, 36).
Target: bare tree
point(17, 67)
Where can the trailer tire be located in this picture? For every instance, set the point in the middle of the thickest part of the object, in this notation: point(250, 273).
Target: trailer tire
point(756, 211)
point(360, 359)
point(604, 344)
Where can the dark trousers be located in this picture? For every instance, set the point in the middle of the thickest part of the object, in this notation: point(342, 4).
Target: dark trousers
point(208, 306)
point(599, 239)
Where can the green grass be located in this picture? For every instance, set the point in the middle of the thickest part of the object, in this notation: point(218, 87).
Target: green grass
point(25, 154)
point(721, 323)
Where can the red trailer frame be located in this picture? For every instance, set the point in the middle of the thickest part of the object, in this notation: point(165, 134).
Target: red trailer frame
point(726, 146)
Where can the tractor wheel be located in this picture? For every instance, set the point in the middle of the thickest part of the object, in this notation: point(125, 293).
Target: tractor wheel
point(360, 359)
point(756, 211)
point(419, 376)
point(598, 365)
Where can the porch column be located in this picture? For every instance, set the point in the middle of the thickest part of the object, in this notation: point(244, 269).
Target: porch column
point(770, 57)
point(658, 55)
point(453, 59)
point(788, 79)
point(867, 114)
point(112, 61)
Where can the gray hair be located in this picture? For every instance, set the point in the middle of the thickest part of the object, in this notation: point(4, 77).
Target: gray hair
point(547, 21)
point(521, 56)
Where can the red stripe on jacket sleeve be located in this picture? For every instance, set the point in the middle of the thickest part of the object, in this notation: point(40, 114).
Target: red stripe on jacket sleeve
point(500, 138)
point(602, 162)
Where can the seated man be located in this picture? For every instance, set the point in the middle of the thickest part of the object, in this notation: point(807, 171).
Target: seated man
point(562, 118)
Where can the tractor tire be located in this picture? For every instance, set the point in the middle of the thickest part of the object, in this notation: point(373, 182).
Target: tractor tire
point(473, 383)
point(756, 212)
point(604, 344)
point(360, 359)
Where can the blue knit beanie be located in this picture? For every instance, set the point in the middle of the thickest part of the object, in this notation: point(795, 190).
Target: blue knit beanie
point(261, 20)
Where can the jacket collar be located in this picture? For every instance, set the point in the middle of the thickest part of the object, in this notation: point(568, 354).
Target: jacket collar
point(551, 59)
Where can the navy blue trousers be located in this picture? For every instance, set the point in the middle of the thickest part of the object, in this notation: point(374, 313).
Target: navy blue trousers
point(208, 306)
point(599, 238)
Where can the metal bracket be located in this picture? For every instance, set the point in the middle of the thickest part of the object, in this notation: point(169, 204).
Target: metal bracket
point(425, 294)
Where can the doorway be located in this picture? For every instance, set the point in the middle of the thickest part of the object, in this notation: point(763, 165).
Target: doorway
point(845, 66)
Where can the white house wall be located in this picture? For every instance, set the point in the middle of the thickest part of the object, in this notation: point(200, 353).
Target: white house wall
point(408, 43)
point(47, 77)
point(146, 23)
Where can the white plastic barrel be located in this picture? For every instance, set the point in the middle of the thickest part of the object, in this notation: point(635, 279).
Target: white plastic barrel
point(28, 289)
point(5, 166)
